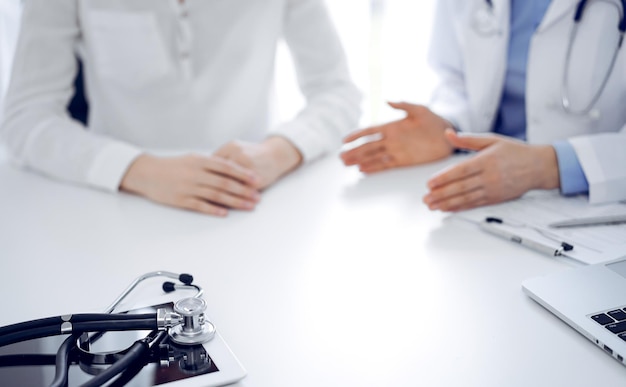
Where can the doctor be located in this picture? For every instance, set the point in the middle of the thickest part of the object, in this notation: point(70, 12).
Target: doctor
point(553, 94)
point(178, 92)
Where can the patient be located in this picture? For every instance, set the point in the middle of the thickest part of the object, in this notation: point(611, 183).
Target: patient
point(492, 79)
point(178, 96)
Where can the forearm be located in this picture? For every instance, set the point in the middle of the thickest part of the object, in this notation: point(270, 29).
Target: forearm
point(283, 153)
point(546, 167)
point(332, 100)
point(36, 128)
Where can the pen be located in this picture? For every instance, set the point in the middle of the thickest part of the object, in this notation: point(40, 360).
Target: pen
point(537, 246)
point(591, 221)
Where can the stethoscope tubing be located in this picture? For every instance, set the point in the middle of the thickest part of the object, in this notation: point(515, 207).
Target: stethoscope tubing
point(125, 324)
point(129, 362)
point(139, 350)
point(65, 358)
point(27, 359)
point(62, 362)
point(76, 318)
point(565, 90)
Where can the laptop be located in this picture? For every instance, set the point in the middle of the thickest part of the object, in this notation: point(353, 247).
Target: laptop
point(591, 299)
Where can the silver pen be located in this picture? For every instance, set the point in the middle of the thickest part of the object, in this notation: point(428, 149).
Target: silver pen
point(488, 226)
point(607, 220)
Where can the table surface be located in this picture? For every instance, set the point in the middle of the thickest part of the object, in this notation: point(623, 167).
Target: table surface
point(336, 279)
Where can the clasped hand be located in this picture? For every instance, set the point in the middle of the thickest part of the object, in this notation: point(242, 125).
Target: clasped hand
point(231, 178)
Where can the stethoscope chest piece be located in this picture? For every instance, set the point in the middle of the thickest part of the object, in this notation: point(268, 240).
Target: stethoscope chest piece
point(196, 328)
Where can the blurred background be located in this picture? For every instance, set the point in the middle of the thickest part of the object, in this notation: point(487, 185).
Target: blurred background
point(386, 42)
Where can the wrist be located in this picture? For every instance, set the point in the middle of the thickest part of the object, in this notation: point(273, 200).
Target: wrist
point(136, 174)
point(284, 154)
point(548, 171)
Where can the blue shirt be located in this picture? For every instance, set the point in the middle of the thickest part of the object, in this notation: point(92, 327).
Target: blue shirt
point(526, 15)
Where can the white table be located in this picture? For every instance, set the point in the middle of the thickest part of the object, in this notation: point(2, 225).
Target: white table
point(336, 279)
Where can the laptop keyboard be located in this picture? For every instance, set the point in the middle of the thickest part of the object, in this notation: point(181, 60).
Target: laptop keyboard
point(614, 321)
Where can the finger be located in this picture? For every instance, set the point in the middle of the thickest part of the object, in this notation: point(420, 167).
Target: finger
point(471, 142)
point(405, 106)
point(228, 185)
point(467, 200)
point(225, 151)
point(240, 159)
point(363, 133)
point(377, 164)
point(234, 152)
point(222, 198)
point(201, 206)
point(362, 153)
point(229, 168)
point(460, 171)
point(455, 188)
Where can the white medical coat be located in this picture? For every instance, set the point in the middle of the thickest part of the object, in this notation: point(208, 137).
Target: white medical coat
point(165, 75)
point(469, 53)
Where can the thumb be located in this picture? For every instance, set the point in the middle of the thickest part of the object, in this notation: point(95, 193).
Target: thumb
point(470, 142)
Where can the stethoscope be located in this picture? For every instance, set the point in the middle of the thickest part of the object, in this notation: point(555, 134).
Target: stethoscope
point(485, 23)
point(565, 94)
point(187, 325)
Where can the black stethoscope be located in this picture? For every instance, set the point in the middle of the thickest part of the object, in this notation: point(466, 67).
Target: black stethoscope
point(484, 23)
point(187, 325)
point(565, 94)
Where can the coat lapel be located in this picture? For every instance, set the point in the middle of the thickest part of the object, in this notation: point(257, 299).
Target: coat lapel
point(485, 64)
point(557, 10)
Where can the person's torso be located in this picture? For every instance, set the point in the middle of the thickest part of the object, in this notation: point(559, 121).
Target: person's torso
point(484, 57)
point(170, 74)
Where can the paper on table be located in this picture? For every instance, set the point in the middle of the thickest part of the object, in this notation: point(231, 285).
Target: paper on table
point(530, 215)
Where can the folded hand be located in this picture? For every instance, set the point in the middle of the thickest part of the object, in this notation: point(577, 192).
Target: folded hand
point(503, 169)
point(208, 185)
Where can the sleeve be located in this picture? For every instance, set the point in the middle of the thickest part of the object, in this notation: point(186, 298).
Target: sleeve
point(571, 175)
point(603, 159)
point(332, 100)
point(449, 98)
point(37, 130)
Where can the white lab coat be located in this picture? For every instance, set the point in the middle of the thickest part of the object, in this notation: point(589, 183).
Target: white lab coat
point(168, 76)
point(469, 53)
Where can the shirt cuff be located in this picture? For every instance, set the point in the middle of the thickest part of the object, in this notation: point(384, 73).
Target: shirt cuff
point(110, 166)
point(571, 174)
point(310, 144)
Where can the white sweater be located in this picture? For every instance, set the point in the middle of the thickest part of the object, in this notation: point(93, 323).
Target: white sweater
point(161, 75)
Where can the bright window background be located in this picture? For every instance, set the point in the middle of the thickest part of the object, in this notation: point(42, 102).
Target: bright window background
point(386, 42)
